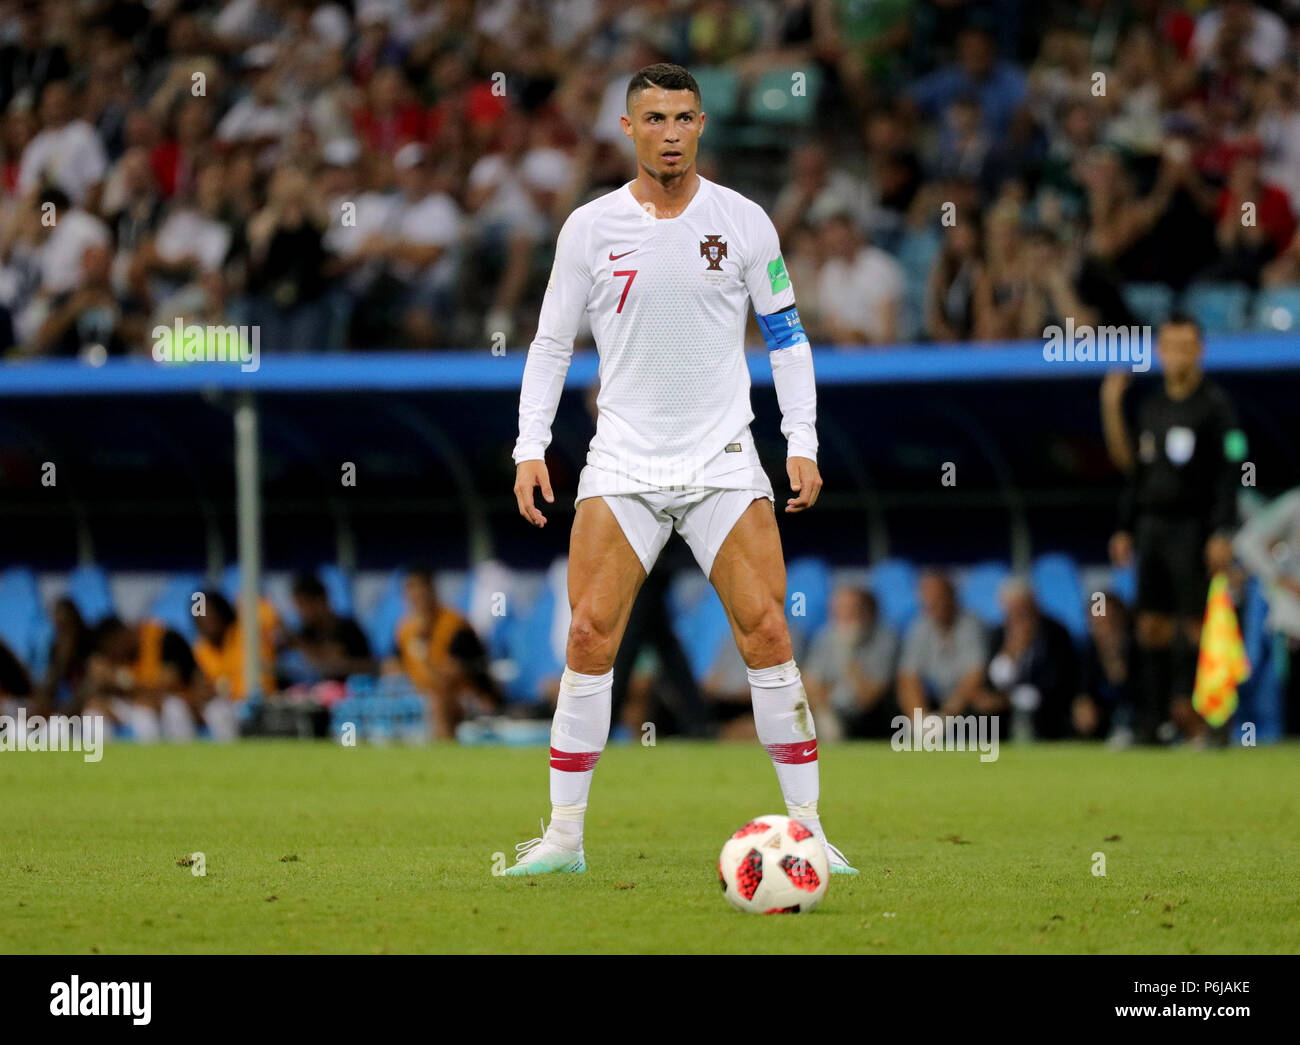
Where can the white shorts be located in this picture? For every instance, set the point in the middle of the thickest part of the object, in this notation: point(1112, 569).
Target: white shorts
point(703, 517)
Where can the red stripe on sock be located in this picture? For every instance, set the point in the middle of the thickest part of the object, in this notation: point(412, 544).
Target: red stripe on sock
point(793, 754)
point(573, 761)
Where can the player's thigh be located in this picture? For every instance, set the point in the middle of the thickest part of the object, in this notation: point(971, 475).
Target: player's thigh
point(604, 571)
point(749, 570)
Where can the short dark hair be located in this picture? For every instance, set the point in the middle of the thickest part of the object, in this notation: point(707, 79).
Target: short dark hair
point(665, 75)
point(1185, 319)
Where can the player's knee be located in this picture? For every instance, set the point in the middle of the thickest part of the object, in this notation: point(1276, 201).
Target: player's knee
point(591, 643)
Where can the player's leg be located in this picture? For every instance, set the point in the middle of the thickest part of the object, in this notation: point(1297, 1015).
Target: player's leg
point(748, 572)
point(1154, 631)
point(605, 574)
point(1191, 588)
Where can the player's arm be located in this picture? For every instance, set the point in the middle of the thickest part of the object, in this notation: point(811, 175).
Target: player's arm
point(791, 358)
point(1230, 447)
point(548, 364)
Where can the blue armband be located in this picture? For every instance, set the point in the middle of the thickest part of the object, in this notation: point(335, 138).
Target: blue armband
point(782, 329)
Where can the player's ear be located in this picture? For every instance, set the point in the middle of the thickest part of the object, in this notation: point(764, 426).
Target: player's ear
point(626, 123)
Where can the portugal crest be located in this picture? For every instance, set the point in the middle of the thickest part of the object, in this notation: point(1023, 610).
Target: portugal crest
point(713, 248)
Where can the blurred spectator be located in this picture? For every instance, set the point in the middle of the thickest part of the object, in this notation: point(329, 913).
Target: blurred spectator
point(65, 675)
point(998, 85)
point(219, 649)
point(958, 280)
point(849, 672)
point(1104, 704)
point(1269, 547)
point(29, 60)
point(1255, 222)
point(440, 653)
point(67, 154)
point(1033, 675)
point(944, 657)
point(144, 677)
point(286, 269)
point(816, 191)
point(324, 647)
point(860, 287)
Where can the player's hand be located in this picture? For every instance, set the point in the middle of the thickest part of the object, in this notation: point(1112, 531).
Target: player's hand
point(528, 475)
point(1218, 554)
point(1121, 549)
point(805, 480)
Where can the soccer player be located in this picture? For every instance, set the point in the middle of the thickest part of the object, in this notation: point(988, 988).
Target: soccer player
point(665, 267)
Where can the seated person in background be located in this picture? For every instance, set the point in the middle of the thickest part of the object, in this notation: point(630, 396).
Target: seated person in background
point(145, 676)
point(69, 654)
point(850, 669)
point(325, 646)
point(1033, 675)
point(219, 648)
point(1104, 690)
point(15, 684)
point(943, 660)
point(443, 657)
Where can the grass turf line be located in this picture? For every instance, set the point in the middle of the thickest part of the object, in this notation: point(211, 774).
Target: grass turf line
point(394, 849)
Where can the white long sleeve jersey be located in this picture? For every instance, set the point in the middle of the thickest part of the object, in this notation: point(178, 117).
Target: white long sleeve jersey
point(667, 300)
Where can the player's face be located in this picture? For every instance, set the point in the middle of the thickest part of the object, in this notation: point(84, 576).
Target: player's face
point(1180, 350)
point(665, 127)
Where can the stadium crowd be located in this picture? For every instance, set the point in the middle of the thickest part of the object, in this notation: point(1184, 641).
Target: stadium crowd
point(393, 172)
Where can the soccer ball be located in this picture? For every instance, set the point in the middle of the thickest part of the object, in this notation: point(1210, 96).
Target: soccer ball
point(773, 865)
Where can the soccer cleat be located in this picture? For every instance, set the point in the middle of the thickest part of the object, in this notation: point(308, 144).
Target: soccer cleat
point(539, 856)
point(838, 861)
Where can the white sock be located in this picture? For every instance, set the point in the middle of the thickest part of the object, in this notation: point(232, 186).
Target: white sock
point(578, 734)
point(784, 723)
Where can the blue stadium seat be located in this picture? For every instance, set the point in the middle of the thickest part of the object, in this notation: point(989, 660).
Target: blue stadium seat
point(773, 99)
point(1152, 303)
point(702, 632)
point(24, 626)
point(1123, 582)
point(1278, 309)
point(88, 588)
point(893, 581)
point(978, 591)
point(528, 643)
point(720, 92)
point(1220, 308)
point(381, 620)
point(338, 586)
point(1055, 580)
point(173, 606)
point(810, 578)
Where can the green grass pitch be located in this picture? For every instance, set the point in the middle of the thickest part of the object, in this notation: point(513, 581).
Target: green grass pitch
point(313, 848)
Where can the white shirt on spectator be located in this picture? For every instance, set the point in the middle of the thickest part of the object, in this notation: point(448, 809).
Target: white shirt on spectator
point(72, 156)
point(250, 119)
point(433, 221)
point(61, 254)
point(1266, 45)
point(856, 294)
point(189, 231)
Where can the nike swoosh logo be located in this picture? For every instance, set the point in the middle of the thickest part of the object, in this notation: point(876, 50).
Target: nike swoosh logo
point(615, 257)
point(810, 751)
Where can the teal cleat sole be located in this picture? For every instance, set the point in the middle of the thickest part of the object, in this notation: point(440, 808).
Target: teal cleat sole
point(576, 865)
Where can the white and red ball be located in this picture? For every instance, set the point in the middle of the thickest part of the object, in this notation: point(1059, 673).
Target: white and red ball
point(774, 865)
